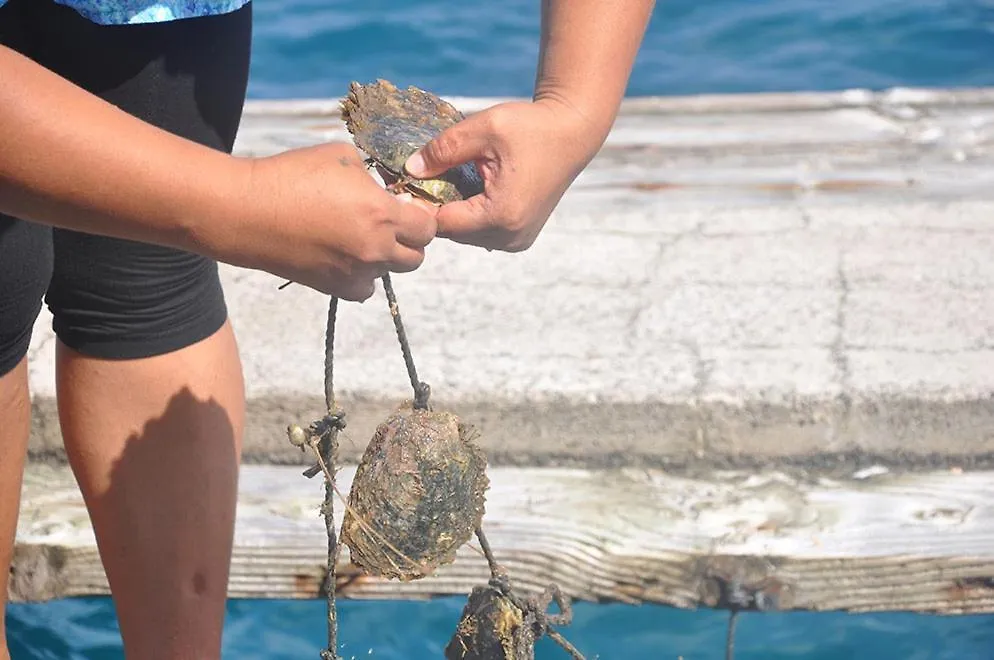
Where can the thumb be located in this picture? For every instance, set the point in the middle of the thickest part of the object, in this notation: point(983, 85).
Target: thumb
point(464, 218)
point(458, 144)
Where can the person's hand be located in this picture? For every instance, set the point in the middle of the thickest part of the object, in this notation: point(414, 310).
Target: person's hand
point(317, 217)
point(528, 155)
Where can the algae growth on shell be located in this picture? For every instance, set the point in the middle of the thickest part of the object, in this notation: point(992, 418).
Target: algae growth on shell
point(491, 628)
point(389, 124)
point(417, 496)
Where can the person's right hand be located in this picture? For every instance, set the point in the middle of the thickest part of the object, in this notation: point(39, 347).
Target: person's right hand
point(317, 217)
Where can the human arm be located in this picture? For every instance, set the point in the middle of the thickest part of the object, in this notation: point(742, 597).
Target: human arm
point(529, 153)
point(71, 160)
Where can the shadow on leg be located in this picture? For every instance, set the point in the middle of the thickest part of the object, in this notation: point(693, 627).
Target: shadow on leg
point(155, 444)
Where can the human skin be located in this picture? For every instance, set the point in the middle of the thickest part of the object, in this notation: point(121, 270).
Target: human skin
point(155, 443)
point(529, 153)
point(15, 409)
point(158, 466)
point(313, 215)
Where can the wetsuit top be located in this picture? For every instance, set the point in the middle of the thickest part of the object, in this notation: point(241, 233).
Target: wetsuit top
point(122, 12)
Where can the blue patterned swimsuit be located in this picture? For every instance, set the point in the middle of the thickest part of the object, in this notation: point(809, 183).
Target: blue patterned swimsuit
point(121, 12)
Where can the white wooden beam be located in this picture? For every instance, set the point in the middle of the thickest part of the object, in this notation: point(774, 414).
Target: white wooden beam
point(916, 542)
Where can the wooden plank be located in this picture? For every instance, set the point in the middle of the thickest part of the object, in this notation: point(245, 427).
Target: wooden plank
point(739, 148)
point(695, 103)
point(272, 128)
point(771, 541)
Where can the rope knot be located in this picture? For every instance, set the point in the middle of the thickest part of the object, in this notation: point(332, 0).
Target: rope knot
point(421, 395)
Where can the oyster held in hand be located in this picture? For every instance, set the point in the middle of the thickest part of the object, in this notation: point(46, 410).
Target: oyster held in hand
point(389, 124)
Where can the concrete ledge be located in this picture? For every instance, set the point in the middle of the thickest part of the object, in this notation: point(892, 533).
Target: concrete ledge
point(828, 437)
point(791, 279)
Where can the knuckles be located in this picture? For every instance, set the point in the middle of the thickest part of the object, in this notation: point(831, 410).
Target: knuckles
point(372, 253)
point(493, 120)
point(440, 151)
point(443, 151)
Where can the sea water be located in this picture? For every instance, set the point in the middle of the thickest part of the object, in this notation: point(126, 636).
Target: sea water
point(85, 629)
point(313, 48)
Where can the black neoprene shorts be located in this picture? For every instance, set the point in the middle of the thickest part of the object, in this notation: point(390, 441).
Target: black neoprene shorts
point(111, 298)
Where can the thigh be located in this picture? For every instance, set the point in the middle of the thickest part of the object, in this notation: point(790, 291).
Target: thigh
point(113, 298)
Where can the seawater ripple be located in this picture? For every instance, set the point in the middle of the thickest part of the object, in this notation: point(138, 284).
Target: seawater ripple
point(313, 48)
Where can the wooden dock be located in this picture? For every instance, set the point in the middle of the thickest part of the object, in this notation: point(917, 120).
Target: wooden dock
point(750, 361)
point(765, 541)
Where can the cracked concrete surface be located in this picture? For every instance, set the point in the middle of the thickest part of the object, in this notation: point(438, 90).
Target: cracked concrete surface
point(800, 279)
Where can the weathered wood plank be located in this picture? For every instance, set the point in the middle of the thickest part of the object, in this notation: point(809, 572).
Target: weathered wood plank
point(701, 103)
point(740, 149)
point(920, 542)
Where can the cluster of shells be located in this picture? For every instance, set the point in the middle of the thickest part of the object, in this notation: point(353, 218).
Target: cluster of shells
point(418, 494)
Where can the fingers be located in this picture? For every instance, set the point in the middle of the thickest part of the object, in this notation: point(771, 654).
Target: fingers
point(353, 288)
point(457, 219)
point(357, 291)
point(478, 221)
point(466, 141)
point(360, 283)
point(416, 228)
point(416, 224)
point(406, 260)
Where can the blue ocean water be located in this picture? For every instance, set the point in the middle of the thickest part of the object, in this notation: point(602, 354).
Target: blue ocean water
point(85, 629)
point(313, 48)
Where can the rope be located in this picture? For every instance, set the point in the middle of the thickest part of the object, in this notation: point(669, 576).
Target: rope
point(333, 416)
point(333, 422)
point(498, 579)
point(421, 390)
point(534, 611)
point(329, 357)
point(730, 638)
point(322, 438)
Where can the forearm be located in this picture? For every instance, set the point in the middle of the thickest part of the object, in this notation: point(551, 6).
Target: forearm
point(71, 160)
point(587, 52)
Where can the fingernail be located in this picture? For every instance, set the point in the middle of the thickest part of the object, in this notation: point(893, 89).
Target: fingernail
point(415, 165)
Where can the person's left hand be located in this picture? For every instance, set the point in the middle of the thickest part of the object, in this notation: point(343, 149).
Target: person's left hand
point(528, 154)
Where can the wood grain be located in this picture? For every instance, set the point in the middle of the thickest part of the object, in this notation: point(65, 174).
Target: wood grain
point(917, 542)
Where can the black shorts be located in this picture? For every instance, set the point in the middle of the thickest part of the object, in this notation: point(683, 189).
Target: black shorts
point(113, 298)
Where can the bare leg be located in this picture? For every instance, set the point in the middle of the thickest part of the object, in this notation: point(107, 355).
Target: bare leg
point(155, 445)
point(15, 411)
